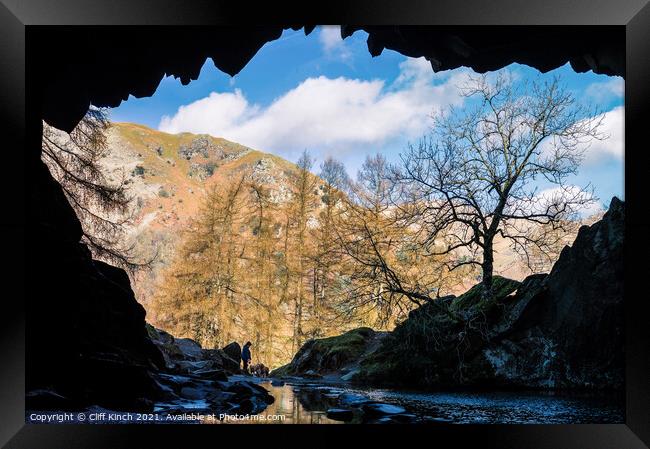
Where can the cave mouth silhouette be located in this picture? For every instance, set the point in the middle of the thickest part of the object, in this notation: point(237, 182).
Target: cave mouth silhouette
point(77, 66)
point(102, 346)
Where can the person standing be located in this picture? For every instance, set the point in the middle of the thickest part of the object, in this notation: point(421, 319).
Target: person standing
point(246, 355)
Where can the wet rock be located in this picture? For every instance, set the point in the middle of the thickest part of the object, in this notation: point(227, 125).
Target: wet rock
point(219, 396)
point(385, 420)
point(331, 395)
point(351, 399)
point(349, 376)
point(277, 383)
point(188, 367)
point(192, 393)
point(374, 409)
point(437, 420)
point(340, 414)
point(213, 374)
point(403, 417)
point(248, 389)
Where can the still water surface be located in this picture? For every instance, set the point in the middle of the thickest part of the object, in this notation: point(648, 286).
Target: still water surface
point(307, 403)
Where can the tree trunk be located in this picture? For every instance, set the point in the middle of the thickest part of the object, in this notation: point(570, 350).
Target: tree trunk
point(488, 268)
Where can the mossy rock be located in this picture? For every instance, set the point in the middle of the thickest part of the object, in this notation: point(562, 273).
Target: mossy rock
point(328, 354)
point(472, 299)
point(283, 371)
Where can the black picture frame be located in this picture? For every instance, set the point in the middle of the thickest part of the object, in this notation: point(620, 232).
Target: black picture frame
point(16, 17)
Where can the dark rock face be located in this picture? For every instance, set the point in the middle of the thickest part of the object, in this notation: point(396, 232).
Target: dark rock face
point(561, 330)
point(233, 350)
point(87, 339)
point(572, 328)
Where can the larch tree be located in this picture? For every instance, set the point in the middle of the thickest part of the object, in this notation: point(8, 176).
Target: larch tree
point(336, 183)
point(301, 206)
point(389, 273)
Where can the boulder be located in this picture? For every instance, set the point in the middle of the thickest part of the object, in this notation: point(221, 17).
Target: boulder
point(222, 360)
point(185, 356)
point(212, 374)
point(350, 376)
point(353, 400)
point(311, 374)
point(403, 417)
point(375, 408)
point(190, 349)
point(570, 331)
point(233, 350)
point(332, 355)
point(192, 393)
point(251, 398)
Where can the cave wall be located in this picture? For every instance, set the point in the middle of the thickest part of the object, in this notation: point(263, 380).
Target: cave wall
point(81, 65)
point(85, 330)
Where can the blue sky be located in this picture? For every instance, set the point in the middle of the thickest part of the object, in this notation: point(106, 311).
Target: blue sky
point(330, 96)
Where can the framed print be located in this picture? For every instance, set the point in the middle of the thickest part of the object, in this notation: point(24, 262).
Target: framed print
point(249, 222)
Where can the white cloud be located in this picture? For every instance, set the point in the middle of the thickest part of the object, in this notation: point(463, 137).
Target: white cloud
point(605, 90)
point(610, 145)
point(613, 127)
point(324, 115)
point(333, 44)
point(570, 198)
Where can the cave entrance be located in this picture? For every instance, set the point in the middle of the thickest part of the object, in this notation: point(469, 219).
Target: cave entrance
point(213, 171)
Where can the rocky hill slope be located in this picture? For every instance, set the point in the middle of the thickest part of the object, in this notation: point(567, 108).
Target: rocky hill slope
point(168, 175)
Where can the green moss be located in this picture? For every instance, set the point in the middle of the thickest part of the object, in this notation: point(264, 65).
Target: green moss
point(328, 354)
point(501, 287)
point(283, 371)
point(349, 341)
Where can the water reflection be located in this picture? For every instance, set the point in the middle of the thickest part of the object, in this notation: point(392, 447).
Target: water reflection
point(307, 403)
point(299, 406)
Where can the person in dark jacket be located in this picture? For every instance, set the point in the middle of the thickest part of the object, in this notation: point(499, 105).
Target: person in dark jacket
point(246, 355)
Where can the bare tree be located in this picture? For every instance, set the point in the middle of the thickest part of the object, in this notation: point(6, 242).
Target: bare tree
point(101, 206)
point(477, 175)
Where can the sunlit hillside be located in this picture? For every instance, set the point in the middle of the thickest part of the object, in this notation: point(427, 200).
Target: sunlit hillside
point(169, 178)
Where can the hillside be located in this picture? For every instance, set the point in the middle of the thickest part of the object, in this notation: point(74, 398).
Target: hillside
point(168, 175)
point(169, 178)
